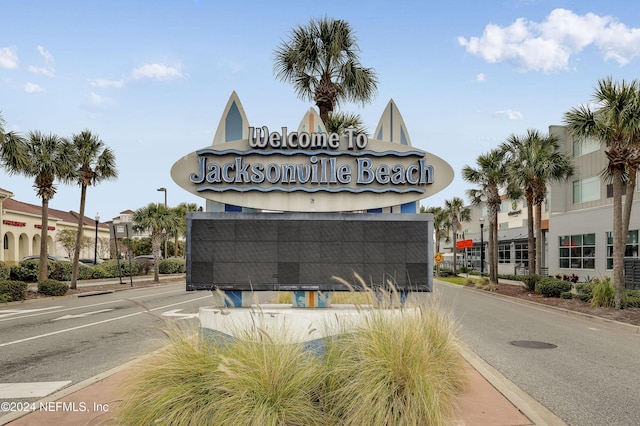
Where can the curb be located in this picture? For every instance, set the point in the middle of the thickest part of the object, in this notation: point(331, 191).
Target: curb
point(528, 406)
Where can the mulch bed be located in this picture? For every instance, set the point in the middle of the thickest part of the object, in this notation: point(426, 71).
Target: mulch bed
point(629, 315)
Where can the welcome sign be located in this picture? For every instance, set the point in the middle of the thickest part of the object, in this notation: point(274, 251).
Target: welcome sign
point(309, 169)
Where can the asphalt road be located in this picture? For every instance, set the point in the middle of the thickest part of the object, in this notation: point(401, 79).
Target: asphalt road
point(592, 377)
point(71, 339)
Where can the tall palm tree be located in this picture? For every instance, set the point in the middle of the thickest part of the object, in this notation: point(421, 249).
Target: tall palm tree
point(180, 227)
point(94, 163)
point(45, 159)
point(490, 176)
point(535, 161)
point(441, 224)
point(457, 213)
point(155, 218)
point(615, 122)
point(321, 61)
point(12, 150)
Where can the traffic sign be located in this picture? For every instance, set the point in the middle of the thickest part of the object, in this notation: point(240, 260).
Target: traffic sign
point(463, 244)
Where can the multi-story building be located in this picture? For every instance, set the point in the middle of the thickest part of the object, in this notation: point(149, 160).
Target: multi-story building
point(577, 220)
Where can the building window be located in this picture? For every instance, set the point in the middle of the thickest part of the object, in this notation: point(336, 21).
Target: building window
point(578, 251)
point(504, 253)
point(586, 189)
point(503, 225)
point(631, 249)
point(522, 254)
point(6, 242)
point(585, 146)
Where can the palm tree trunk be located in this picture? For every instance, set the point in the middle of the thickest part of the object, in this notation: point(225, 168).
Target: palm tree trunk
point(538, 239)
point(42, 274)
point(619, 241)
point(531, 250)
point(76, 250)
point(628, 199)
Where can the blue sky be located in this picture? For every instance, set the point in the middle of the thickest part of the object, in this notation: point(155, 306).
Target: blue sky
point(151, 78)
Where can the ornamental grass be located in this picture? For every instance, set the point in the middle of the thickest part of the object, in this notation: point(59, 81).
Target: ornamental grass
point(383, 366)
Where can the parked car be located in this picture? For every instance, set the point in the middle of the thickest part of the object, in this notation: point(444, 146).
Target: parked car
point(90, 262)
point(37, 257)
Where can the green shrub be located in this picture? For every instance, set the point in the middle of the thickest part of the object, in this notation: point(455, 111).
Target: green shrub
point(552, 287)
point(603, 294)
point(59, 270)
point(5, 271)
point(584, 291)
point(26, 271)
point(566, 295)
point(53, 288)
point(172, 265)
point(12, 291)
point(530, 282)
point(110, 268)
point(633, 299)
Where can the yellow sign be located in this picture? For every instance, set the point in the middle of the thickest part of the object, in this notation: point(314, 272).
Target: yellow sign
point(438, 258)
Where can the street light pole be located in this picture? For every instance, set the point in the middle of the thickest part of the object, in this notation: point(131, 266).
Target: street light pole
point(95, 252)
point(163, 189)
point(481, 245)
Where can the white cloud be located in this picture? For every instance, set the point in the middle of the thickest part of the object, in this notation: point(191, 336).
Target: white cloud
point(32, 88)
point(508, 114)
point(97, 101)
point(49, 68)
point(481, 78)
point(106, 84)
point(9, 58)
point(548, 46)
point(156, 72)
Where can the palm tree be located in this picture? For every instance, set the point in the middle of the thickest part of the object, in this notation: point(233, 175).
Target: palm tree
point(441, 224)
point(457, 213)
point(321, 61)
point(95, 163)
point(181, 226)
point(45, 159)
point(12, 150)
point(155, 218)
point(615, 122)
point(490, 175)
point(337, 122)
point(534, 162)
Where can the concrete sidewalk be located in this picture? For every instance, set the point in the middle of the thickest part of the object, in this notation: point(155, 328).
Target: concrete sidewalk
point(488, 400)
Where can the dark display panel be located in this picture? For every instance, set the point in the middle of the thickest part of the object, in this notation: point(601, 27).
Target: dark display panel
point(302, 251)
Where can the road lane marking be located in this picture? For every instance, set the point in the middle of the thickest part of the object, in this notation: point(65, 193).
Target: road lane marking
point(18, 311)
point(9, 312)
point(30, 389)
point(86, 314)
point(53, 333)
point(178, 314)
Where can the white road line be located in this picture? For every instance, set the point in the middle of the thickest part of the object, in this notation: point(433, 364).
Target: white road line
point(99, 322)
point(10, 312)
point(85, 314)
point(71, 309)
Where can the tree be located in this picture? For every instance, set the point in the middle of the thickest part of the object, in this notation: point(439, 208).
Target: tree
point(534, 162)
point(321, 61)
point(94, 163)
point(68, 240)
point(457, 213)
point(441, 224)
point(615, 122)
point(490, 176)
point(154, 218)
point(338, 122)
point(181, 227)
point(45, 159)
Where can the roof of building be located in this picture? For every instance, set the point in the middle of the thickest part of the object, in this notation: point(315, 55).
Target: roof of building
point(54, 214)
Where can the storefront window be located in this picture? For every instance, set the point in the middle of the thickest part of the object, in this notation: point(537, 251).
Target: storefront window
point(578, 251)
point(631, 249)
